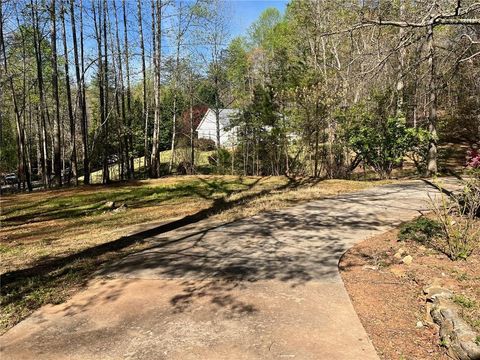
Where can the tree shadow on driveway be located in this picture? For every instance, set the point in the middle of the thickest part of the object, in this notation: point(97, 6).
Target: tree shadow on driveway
point(294, 246)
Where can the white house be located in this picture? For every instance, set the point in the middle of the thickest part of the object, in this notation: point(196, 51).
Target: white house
point(207, 128)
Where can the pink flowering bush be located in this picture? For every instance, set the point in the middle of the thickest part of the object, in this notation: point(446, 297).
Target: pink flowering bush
point(473, 159)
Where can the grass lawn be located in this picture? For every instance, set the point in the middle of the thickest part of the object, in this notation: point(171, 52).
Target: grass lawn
point(201, 161)
point(51, 242)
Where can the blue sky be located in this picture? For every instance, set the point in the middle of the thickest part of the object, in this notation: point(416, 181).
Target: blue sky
point(241, 14)
point(246, 12)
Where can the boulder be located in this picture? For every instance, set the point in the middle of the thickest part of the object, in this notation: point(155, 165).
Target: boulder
point(407, 260)
point(456, 334)
point(110, 205)
point(400, 252)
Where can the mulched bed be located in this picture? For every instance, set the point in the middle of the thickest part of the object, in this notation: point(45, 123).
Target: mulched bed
point(388, 295)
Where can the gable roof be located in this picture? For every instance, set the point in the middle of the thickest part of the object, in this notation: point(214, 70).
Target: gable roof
point(225, 116)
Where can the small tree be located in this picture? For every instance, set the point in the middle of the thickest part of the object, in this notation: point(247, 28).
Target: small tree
point(383, 145)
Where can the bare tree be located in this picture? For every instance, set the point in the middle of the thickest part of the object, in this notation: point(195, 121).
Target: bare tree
point(129, 93)
point(125, 125)
point(73, 157)
point(157, 38)
point(181, 25)
point(23, 171)
point(80, 82)
point(144, 85)
point(43, 101)
point(57, 125)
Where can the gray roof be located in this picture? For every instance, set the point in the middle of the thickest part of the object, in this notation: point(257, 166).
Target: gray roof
point(226, 115)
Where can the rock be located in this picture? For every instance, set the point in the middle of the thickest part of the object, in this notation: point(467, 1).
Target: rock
point(370, 267)
point(398, 255)
point(454, 331)
point(109, 205)
point(419, 324)
point(407, 260)
point(121, 208)
point(434, 292)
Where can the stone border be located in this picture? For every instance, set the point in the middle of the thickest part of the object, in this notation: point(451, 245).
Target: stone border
point(456, 335)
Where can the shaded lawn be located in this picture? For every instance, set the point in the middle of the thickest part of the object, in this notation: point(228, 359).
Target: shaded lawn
point(51, 242)
point(182, 154)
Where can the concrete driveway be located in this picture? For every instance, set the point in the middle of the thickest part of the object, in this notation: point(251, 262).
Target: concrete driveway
point(266, 287)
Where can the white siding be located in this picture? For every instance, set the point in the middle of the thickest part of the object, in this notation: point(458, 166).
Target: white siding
point(207, 129)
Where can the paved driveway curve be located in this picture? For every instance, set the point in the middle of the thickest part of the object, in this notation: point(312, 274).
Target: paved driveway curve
point(266, 287)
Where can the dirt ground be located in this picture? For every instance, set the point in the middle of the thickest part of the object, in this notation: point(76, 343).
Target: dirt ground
point(388, 295)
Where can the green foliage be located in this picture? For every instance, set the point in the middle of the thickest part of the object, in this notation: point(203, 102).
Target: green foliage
point(261, 135)
point(221, 159)
point(422, 230)
point(237, 67)
point(8, 150)
point(262, 30)
point(205, 144)
point(383, 144)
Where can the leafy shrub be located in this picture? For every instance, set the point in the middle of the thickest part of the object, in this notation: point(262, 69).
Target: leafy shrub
point(205, 144)
point(221, 159)
point(457, 216)
point(422, 230)
point(383, 145)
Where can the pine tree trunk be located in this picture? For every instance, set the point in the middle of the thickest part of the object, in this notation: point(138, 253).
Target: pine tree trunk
point(122, 95)
point(156, 19)
point(57, 165)
point(131, 168)
point(106, 145)
point(80, 87)
point(73, 157)
point(144, 83)
point(43, 102)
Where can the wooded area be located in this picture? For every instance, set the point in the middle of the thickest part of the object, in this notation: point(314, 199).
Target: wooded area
point(321, 89)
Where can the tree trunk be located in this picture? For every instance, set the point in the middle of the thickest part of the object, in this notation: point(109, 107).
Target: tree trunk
point(43, 102)
point(144, 83)
point(80, 87)
point(97, 19)
point(57, 165)
point(73, 157)
point(106, 145)
point(174, 132)
point(122, 95)
point(432, 108)
point(23, 172)
point(401, 64)
point(156, 19)
point(192, 131)
point(315, 170)
point(131, 168)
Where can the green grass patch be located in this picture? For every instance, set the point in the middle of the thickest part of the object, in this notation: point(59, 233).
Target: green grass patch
point(421, 230)
point(464, 301)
